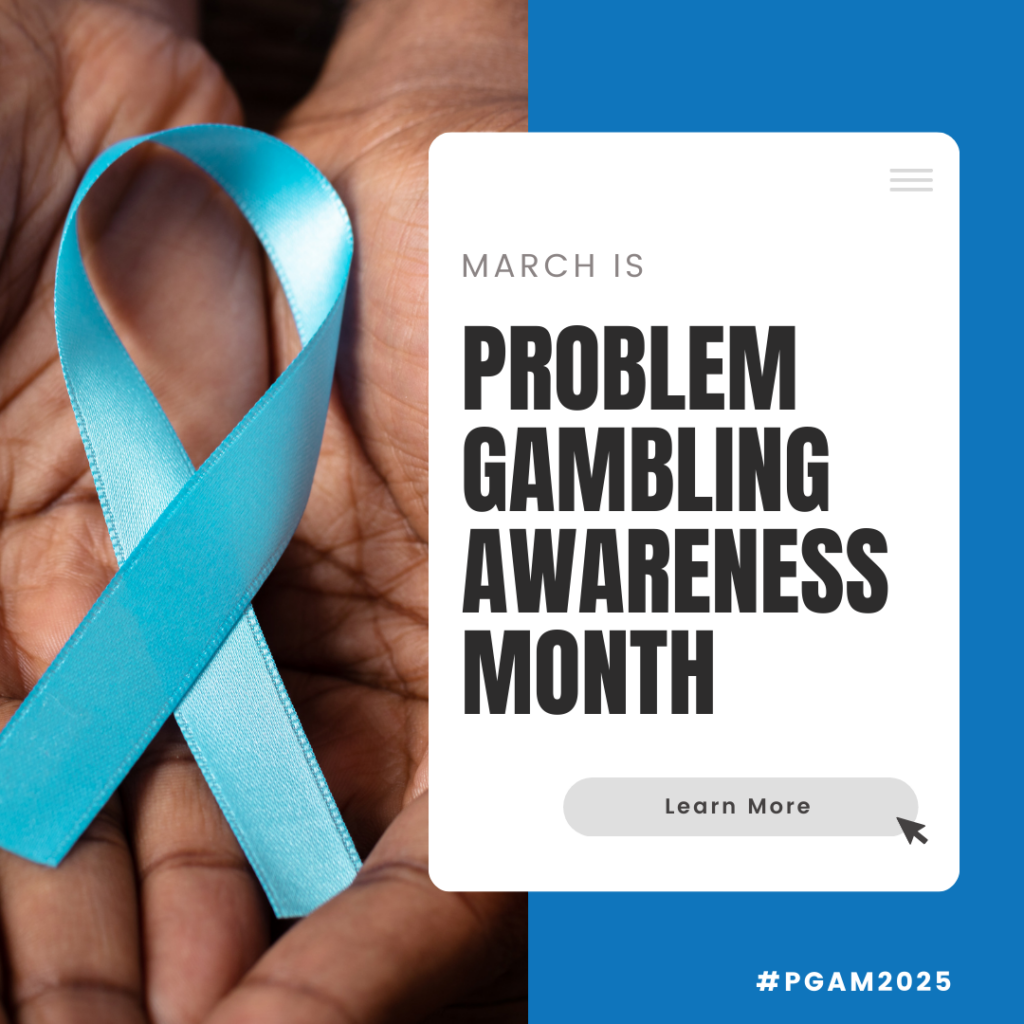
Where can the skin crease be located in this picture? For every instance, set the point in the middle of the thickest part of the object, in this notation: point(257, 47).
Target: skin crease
point(155, 914)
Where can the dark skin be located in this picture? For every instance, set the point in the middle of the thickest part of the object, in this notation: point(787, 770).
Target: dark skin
point(155, 914)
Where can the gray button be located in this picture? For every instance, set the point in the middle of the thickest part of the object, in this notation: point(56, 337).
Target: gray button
point(739, 807)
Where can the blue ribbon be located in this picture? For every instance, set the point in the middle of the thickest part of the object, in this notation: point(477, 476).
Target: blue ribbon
point(174, 630)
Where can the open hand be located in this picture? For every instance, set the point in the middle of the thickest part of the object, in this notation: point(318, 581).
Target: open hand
point(155, 914)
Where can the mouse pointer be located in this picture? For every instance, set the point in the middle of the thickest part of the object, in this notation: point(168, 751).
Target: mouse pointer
point(911, 829)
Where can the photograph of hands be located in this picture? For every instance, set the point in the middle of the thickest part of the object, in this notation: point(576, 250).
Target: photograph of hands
point(155, 914)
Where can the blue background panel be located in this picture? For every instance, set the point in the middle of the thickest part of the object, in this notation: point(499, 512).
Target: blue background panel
point(949, 67)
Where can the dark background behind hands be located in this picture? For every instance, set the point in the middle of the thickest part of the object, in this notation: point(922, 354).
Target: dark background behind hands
point(270, 50)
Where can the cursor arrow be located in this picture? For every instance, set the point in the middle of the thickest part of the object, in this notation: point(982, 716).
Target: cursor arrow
point(911, 829)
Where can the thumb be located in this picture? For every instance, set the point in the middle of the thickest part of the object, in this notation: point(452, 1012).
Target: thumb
point(392, 947)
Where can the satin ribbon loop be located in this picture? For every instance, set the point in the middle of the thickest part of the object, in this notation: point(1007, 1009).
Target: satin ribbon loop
point(174, 632)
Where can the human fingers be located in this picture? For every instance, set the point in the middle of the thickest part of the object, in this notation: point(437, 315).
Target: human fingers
point(393, 947)
point(70, 934)
point(204, 920)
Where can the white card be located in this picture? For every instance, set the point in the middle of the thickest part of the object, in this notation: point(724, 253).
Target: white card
point(815, 276)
